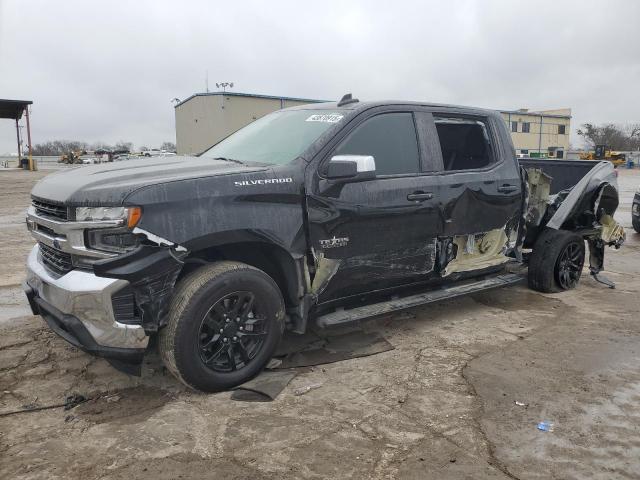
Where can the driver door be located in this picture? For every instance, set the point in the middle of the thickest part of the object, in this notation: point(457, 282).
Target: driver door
point(380, 233)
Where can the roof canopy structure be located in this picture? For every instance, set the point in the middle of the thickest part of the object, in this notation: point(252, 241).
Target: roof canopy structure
point(13, 109)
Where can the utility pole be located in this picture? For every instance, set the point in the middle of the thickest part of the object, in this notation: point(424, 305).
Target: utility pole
point(26, 111)
point(19, 149)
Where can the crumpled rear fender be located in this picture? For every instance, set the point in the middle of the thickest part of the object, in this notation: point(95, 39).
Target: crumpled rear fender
point(597, 190)
point(588, 208)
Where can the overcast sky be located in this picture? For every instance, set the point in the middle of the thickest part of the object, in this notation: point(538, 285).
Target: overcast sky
point(107, 71)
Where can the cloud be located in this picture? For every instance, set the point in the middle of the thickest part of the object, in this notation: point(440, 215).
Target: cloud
point(107, 71)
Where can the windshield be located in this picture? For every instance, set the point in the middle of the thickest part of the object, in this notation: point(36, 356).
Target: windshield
point(276, 138)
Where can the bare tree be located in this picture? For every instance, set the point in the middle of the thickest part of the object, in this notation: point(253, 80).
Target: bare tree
point(61, 147)
point(168, 146)
point(615, 137)
point(122, 146)
point(58, 147)
point(101, 146)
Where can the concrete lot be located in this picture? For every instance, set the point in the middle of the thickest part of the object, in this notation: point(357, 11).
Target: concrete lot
point(439, 406)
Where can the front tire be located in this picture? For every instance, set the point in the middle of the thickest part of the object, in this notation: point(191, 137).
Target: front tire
point(556, 261)
point(636, 223)
point(225, 322)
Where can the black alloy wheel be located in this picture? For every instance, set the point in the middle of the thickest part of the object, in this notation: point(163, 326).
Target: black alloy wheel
point(232, 332)
point(225, 321)
point(569, 265)
point(556, 261)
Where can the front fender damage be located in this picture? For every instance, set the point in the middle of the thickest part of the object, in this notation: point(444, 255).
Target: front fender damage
point(151, 270)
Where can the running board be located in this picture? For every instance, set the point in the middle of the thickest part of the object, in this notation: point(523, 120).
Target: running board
point(377, 309)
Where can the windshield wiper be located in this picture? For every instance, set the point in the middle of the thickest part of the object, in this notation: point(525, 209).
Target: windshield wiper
point(229, 160)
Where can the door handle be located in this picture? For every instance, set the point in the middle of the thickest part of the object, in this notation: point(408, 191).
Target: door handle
point(419, 196)
point(506, 188)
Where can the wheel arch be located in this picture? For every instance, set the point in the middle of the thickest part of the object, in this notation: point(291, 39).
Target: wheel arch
point(274, 260)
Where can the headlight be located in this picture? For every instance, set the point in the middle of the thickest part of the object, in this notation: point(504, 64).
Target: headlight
point(84, 214)
point(117, 240)
point(129, 215)
point(113, 240)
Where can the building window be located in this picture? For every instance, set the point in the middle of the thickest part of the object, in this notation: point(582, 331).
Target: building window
point(561, 129)
point(559, 154)
point(514, 127)
point(524, 152)
point(526, 127)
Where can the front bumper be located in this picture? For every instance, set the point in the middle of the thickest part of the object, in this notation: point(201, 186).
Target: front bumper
point(77, 306)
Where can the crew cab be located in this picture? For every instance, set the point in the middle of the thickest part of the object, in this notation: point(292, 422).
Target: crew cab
point(310, 216)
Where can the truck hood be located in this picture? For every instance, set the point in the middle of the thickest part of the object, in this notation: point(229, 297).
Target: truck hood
point(110, 183)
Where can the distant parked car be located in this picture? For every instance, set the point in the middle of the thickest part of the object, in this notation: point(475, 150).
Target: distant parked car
point(90, 160)
point(155, 152)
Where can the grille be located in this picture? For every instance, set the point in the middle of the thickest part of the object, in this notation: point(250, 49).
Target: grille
point(59, 262)
point(46, 230)
point(124, 307)
point(50, 209)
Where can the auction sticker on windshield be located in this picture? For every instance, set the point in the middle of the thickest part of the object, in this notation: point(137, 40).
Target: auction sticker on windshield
point(325, 118)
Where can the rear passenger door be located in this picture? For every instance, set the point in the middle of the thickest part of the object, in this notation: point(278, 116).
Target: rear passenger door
point(381, 233)
point(479, 191)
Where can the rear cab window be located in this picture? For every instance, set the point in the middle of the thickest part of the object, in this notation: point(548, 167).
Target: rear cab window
point(464, 142)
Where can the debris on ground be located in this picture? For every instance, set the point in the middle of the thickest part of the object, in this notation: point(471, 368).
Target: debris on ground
point(31, 405)
point(521, 404)
point(70, 401)
point(545, 426)
point(354, 344)
point(273, 364)
point(302, 390)
point(74, 400)
point(265, 387)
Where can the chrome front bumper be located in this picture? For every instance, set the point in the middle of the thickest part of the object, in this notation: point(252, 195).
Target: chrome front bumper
point(81, 296)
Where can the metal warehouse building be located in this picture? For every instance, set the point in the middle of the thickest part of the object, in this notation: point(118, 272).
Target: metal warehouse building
point(204, 119)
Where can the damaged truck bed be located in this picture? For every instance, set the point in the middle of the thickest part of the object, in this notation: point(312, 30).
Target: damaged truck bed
point(318, 214)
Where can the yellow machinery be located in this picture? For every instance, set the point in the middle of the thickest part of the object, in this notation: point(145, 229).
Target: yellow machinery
point(72, 157)
point(601, 153)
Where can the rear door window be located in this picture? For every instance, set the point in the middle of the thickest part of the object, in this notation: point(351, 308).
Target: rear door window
point(464, 143)
point(390, 138)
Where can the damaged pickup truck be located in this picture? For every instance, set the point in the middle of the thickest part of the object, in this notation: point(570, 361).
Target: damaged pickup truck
point(313, 215)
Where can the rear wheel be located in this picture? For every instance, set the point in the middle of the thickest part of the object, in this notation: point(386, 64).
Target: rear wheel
point(225, 322)
point(556, 261)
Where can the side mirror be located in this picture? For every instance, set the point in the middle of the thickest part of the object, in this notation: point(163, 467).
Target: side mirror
point(352, 167)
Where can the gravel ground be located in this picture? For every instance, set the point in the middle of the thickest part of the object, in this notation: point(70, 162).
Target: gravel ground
point(439, 406)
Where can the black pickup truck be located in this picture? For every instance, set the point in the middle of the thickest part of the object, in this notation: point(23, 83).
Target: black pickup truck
point(318, 214)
